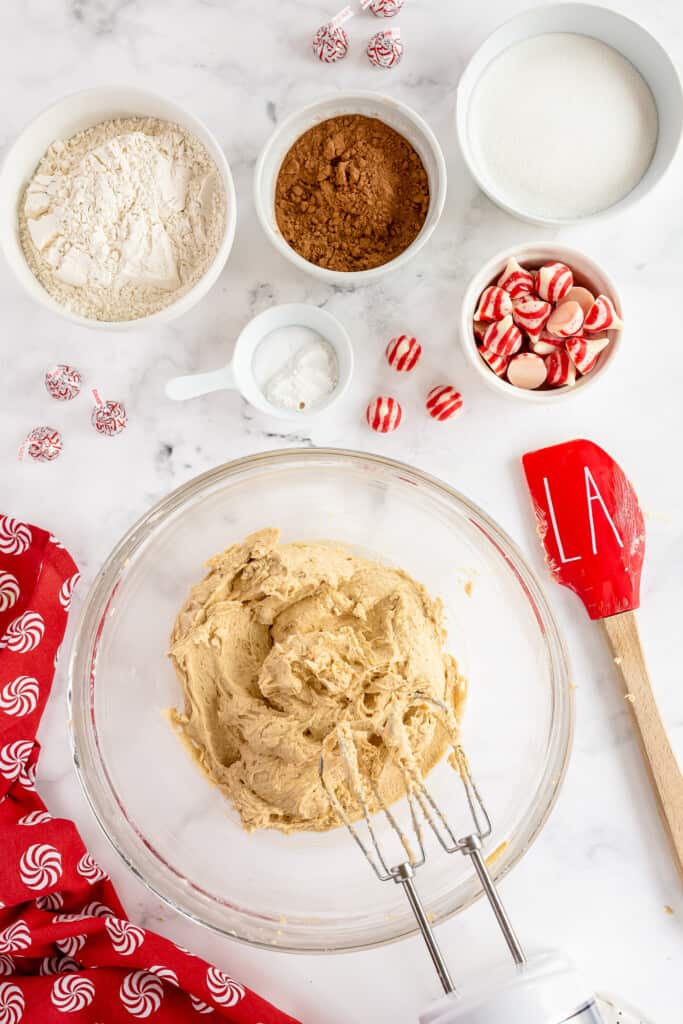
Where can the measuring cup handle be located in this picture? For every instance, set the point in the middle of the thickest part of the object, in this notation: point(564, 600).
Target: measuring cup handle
point(195, 384)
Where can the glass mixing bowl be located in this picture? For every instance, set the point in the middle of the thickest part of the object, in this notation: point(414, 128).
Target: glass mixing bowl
point(313, 892)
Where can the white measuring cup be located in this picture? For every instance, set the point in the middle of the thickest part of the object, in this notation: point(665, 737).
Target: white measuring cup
point(239, 375)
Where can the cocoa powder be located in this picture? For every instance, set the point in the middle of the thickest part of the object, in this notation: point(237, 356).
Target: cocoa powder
point(351, 194)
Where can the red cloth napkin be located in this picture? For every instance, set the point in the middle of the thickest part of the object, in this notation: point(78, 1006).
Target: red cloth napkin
point(67, 950)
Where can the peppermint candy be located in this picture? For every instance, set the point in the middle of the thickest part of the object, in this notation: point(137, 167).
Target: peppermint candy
point(561, 371)
point(11, 1003)
point(13, 758)
point(554, 281)
point(24, 633)
point(19, 697)
point(40, 866)
point(63, 382)
point(584, 352)
point(89, 869)
point(44, 444)
point(496, 362)
point(7, 965)
point(108, 418)
point(15, 537)
point(494, 304)
point(516, 280)
point(385, 49)
point(527, 370)
point(141, 993)
point(403, 353)
point(443, 402)
point(51, 901)
point(66, 591)
point(71, 944)
point(602, 316)
point(36, 818)
point(383, 414)
point(223, 989)
point(504, 337)
point(125, 937)
point(566, 320)
point(531, 314)
point(72, 993)
point(15, 938)
point(9, 591)
point(386, 8)
point(331, 43)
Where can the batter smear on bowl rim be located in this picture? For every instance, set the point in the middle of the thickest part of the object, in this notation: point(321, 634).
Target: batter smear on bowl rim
point(281, 645)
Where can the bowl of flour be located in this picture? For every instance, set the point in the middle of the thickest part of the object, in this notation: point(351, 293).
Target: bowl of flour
point(568, 112)
point(124, 208)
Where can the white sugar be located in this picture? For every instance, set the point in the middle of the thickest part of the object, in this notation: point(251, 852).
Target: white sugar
point(296, 368)
point(562, 126)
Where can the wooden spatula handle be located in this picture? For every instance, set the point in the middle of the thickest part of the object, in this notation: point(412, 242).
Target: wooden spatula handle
point(622, 633)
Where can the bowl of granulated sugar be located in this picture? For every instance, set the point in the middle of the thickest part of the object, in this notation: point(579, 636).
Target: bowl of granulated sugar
point(568, 112)
point(119, 208)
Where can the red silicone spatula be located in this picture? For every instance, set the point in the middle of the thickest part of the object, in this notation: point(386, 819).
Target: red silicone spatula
point(592, 529)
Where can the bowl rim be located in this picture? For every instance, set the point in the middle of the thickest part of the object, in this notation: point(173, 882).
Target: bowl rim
point(103, 589)
point(546, 250)
point(437, 198)
point(462, 111)
point(202, 286)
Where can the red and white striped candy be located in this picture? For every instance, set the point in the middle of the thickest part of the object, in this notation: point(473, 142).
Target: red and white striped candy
point(443, 402)
point(561, 371)
point(566, 319)
point(403, 353)
point(494, 304)
point(584, 352)
point(383, 414)
point(531, 314)
point(526, 370)
point(541, 347)
point(331, 43)
point(516, 280)
point(504, 338)
point(602, 316)
point(554, 281)
point(498, 364)
point(43, 444)
point(581, 295)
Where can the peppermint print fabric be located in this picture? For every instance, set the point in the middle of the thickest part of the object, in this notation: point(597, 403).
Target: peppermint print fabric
point(67, 951)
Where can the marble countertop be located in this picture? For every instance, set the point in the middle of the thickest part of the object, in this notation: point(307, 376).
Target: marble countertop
point(599, 881)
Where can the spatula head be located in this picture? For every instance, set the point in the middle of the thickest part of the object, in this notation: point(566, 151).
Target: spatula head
point(590, 524)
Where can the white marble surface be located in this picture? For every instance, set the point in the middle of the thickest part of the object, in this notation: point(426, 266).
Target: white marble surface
point(598, 879)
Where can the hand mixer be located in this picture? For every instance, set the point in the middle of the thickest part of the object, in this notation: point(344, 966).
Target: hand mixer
point(546, 989)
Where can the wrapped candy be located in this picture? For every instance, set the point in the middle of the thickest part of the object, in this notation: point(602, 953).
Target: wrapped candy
point(494, 304)
point(602, 316)
point(331, 43)
point(383, 414)
point(531, 314)
point(498, 364)
point(560, 370)
point(63, 382)
point(43, 444)
point(403, 353)
point(503, 338)
point(584, 352)
point(516, 280)
point(554, 281)
point(526, 370)
point(108, 418)
point(566, 319)
point(443, 402)
point(384, 8)
point(385, 49)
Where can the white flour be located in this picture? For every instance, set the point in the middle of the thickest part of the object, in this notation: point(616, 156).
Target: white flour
point(562, 125)
point(123, 218)
point(296, 368)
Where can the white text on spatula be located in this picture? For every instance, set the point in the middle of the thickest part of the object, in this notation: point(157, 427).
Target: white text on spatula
point(592, 494)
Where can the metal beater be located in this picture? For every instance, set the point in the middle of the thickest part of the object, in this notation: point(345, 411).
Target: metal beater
point(422, 805)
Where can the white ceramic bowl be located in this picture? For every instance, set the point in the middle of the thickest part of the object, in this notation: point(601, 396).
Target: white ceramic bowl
point(73, 114)
point(628, 38)
point(586, 273)
point(371, 104)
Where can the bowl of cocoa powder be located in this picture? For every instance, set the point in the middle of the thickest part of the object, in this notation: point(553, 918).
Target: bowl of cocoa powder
point(350, 187)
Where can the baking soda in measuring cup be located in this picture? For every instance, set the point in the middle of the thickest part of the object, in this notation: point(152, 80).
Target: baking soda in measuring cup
point(295, 367)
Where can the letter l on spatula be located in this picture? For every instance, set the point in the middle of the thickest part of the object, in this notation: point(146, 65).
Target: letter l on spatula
point(592, 529)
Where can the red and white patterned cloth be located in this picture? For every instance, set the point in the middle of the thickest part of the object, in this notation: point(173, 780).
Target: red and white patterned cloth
point(67, 950)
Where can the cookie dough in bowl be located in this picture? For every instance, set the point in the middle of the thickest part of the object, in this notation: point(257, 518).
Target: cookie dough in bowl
point(280, 645)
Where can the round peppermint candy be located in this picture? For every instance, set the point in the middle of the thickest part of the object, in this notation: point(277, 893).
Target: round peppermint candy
point(109, 418)
point(44, 444)
point(63, 382)
point(443, 402)
point(385, 49)
point(383, 414)
point(403, 353)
